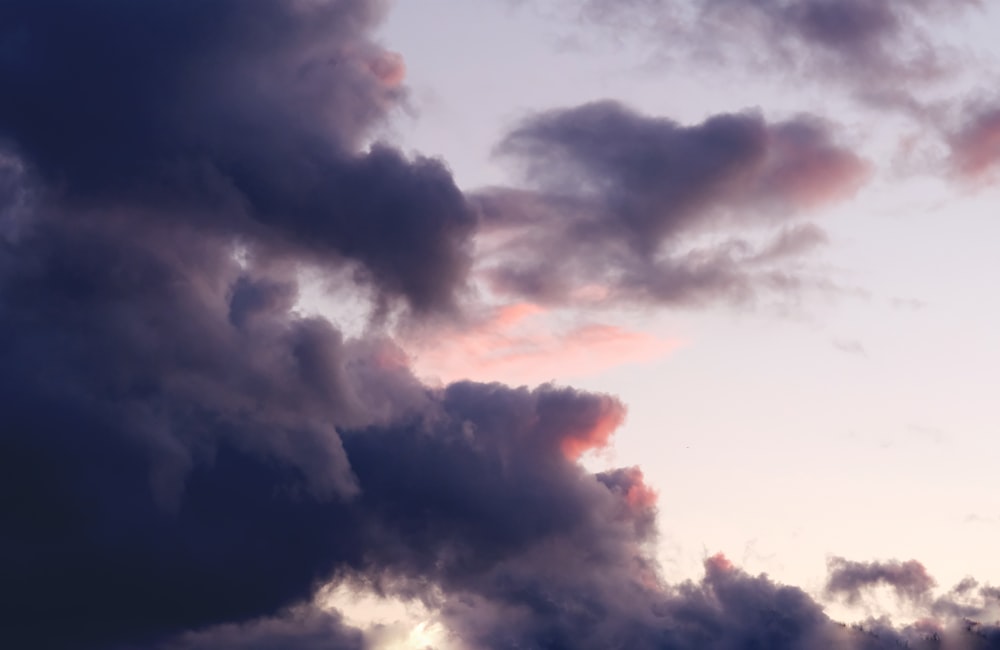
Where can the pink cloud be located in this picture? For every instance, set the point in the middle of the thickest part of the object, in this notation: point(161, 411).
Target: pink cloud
point(718, 564)
point(389, 68)
point(975, 149)
point(595, 436)
point(520, 344)
point(807, 171)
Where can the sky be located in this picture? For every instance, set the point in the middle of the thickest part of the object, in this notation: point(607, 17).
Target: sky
point(872, 397)
point(537, 324)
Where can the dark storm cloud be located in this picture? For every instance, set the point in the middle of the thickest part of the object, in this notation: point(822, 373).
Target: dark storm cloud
point(171, 458)
point(173, 469)
point(164, 465)
point(632, 203)
point(169, 449)
point(182, 459)
point(850, 580)
point(488, 478)
point(248, 116)
point(171, 465)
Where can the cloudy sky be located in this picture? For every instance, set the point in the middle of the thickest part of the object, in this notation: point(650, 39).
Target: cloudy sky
point(543, 324)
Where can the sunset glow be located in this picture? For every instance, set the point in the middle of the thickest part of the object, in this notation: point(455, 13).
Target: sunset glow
point(496, 325)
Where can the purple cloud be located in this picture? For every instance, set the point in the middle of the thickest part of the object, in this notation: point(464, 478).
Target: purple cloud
point(849, 580)
point(244, 117)
point(621, 201)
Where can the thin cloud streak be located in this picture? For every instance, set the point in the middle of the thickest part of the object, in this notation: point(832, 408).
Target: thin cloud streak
point(521, 344)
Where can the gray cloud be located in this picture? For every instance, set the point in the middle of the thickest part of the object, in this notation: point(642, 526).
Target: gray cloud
point(850, 580)
point(642, 206)
point(246, 117)
point(850, 346)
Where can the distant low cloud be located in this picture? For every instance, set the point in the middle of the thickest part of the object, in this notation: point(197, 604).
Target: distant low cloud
point(850, 580)
point(850, 346)
point(980, 519)
point(908, 304)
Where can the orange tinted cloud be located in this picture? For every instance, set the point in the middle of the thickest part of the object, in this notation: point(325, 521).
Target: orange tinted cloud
point(389, 68)
point(640, 496)
point(806, 171)
point(597, 435)
point(718, 564)
point(521, 344)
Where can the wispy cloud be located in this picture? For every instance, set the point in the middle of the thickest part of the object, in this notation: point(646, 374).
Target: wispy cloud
point(850, 346)
point(524, 343)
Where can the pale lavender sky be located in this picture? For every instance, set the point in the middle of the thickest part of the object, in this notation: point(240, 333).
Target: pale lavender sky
point(860, 420)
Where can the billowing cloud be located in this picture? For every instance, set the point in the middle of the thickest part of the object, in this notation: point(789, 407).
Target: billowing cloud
point(647, 209)
point(247, 117)
point(163, 463)
point(185, 459)
point(175, 456)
